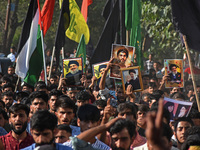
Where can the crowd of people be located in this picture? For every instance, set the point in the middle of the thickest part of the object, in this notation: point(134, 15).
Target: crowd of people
point(93, 116)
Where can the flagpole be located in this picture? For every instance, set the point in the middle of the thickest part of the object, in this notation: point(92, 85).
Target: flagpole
point(63, 56)
point(51, 62)
point(191, 70)
point(45, 72)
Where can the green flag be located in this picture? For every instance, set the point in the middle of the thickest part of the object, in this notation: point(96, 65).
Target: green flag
point(133, 24)
point(81, 51)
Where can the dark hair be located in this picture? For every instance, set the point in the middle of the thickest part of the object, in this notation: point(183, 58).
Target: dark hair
point(8, 85)
point(88, 112)
point(43, 119)
point(28, 85)
point(176, 95)
point(64, 127)
point(39, 94)
point(172, 65)
point(192, 136)
point(6, 78)
point(55, 92)
point(119, 125)
point(143, 108)
point(4, 114)
point(65, 102)
point(20, 95)
point(16, 107)
point(7, 93)
point(132, 70)
point(121, 108)
point(155, 95)
point(40, 85)
point(100, 103)
point(124, 50)
point(83, 95)
point(73, 62)
point(26, 101)
point(182, 119)
point(152, 84)
point(169, 104)
point(102, 66)
point(2, 102)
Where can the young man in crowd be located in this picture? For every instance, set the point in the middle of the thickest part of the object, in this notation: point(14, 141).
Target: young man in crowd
point(63, 133)
point(89, 117)
point(43, 128)
point(53, 96)
point(82, 98)
point(18, 137)
point(8, 99)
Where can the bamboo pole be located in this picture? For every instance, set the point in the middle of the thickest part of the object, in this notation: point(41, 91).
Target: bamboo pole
point(51, 62)
point(191, 70)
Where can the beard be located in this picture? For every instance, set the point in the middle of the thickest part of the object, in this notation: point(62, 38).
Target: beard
point(75, 71)
point(19, 131)
point(45, 143)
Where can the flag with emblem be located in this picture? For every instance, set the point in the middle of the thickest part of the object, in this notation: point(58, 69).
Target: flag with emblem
point(81, 51)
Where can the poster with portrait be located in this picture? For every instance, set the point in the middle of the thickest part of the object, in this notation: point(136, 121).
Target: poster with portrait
point(132, 76)
point(72, 71)
point(177, 108)
point(174, 70)
point(98, 70)
point(123, 56)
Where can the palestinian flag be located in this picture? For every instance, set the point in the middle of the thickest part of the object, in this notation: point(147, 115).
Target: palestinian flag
point(30, 57)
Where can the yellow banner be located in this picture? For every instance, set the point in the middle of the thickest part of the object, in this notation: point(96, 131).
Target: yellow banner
point(77, 26)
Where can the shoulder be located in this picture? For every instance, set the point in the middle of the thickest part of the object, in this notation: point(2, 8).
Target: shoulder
point(100, 145)
point(31, 147)
point(62, 147)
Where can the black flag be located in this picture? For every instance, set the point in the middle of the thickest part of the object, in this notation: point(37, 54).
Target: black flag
point(186, 18)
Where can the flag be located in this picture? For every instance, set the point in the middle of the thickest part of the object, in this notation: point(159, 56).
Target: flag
point(186, 18)
point(135, 37)
point(63, 24)
point(103, 50)
point(47, 15)
point(30, 57)
point(81, 51)
point(77, 25)
point(84, 8)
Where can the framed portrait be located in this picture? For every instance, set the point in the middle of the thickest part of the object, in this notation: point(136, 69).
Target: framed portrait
point(177, 108)
point(174, 70)
point(132, 76)
point(98, 70)
point(123, 56)
point(72, 71)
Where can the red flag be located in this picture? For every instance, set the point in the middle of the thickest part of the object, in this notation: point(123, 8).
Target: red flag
point(84, 8)
point(47, 15)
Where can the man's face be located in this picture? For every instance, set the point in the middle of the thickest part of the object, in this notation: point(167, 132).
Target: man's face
point(121, 97)
point(42, 137)
point(170, 108)
point(18, 121)
point(62, 136)
point(52, 102)
point(145, 81)
point(155, 65)
point(180, 130)
point(132, 75)
point(122, 57)
point(102, 70)
point(141, 118)
point(8, 100)
point(72, 94)
point(64, 115)
point(121, 140)
point(127, 114)
point(73, 67)
point(48, 69)
point(150, 90)
point(11, 71)
point(38, 104)
point(53, 80)
point(85, 125)
point(173, 69)
point(80, 103)
point(2, 121)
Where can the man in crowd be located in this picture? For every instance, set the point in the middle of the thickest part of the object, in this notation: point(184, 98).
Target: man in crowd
point(43, 128)
point(7, 98)
point(63, 133)
point(18, 137)
point(53, 96)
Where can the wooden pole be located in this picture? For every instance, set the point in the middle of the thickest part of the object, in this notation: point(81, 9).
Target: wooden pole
point(192, 73)
point(17, 83)
point(63, 56)
point(127, 37)
point(51, 62)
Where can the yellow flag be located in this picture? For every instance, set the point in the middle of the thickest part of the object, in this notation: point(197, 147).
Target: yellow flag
point(77, 25)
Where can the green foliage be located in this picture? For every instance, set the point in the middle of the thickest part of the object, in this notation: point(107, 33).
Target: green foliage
point(156, 22)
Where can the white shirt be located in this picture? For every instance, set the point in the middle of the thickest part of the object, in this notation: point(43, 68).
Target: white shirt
point(11, 56)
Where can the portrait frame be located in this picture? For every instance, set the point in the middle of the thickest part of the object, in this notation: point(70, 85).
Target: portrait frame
point(96, 70)
point(72, 79)
point(127, 79)
point(177, 105)
point(118, 64)
point(174, 79)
